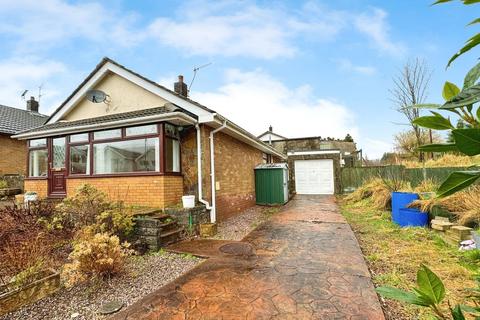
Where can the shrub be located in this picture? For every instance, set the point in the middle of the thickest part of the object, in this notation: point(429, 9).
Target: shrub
point(3, 184)
point(97, 255)
point(118, 221)
point(83, 207)
point(24, 240)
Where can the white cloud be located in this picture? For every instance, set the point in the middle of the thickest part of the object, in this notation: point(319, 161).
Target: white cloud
point(254, 100)
point(375, 26)
point(221, 28)
point(347, 65)
point(244, 30)
point(374, 149)
point(19, 74)
point(38, 25)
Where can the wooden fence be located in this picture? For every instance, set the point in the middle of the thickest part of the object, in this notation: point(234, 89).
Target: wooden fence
point(354, 177)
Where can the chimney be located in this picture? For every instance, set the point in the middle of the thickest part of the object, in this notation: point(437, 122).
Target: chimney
point(180, 87)
point(32, 105)
point(270, 129)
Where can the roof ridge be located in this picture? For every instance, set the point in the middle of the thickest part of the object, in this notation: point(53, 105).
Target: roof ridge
point(33, 113)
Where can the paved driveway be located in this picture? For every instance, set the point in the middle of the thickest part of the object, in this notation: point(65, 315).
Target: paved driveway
point(304, 263)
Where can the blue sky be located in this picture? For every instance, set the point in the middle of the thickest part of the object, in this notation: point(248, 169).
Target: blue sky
point(305, 67)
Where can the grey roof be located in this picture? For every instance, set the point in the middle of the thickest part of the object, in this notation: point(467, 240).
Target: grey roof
point(13, 120)
point(110, 118)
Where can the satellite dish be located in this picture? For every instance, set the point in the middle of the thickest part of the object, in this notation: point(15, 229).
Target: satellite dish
point(96, 96)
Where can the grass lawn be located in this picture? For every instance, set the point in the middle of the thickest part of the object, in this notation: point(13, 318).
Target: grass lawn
point(395, 254)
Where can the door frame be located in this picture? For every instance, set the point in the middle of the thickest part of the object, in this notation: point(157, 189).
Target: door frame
point(51, 172)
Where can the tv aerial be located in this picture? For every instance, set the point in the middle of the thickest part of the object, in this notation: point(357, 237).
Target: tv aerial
point(195, 70)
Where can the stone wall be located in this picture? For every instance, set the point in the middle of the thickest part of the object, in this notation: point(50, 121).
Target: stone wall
point(14, 180)
point(313, 143)
point(181, 215)
point(13, 155)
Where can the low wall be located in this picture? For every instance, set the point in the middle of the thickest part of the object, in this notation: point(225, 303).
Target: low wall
point(14, 180)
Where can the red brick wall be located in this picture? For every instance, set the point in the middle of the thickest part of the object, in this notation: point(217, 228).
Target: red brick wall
point(13, 155)
point(40, 186)
point(235, 162)
point(234, 171)
point(151, 191)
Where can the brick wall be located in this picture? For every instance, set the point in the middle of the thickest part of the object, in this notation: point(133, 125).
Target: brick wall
point(234, 170)
point(235, 162)
point(151, 191)
point(40, 186)
point(13, 155)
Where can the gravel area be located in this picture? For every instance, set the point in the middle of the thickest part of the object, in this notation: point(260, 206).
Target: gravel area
point(237, 227)
point(143, 275)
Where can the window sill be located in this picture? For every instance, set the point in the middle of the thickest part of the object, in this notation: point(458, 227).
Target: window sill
point(36, 178)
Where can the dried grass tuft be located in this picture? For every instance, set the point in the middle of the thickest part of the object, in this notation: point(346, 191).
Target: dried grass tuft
point(448, 160)
point(379, 190)
point(465, 205)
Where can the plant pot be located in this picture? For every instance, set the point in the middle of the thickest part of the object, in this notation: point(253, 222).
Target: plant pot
point(411, 217)
point(401, 200)
point(208, 229)
point(46, 283)
point(188, 201)
point(30, 196)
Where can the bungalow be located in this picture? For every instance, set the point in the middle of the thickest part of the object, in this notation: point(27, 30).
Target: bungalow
point(13, 153)
point(145, 144)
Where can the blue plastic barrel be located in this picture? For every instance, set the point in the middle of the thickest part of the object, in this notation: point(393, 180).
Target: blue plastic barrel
point(412, 217)
point(401, 200)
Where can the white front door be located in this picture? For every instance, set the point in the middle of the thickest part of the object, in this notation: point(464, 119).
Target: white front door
point(314, 176)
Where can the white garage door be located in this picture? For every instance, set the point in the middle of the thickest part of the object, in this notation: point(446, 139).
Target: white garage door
point(314, 176)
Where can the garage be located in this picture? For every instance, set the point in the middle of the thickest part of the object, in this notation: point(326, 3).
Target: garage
point(314, 176)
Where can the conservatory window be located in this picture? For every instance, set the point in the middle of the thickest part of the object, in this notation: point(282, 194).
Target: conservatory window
point(140, 155)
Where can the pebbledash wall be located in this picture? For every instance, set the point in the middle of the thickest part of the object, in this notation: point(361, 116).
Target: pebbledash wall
point(13, 155)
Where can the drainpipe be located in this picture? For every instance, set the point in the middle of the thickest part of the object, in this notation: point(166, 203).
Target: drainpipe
point(199, 168)
point(213, 211)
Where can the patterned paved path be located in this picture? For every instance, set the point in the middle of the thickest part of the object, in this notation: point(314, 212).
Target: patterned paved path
point(304, 263)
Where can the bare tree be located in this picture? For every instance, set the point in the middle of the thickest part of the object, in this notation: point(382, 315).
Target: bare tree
point(410, 87)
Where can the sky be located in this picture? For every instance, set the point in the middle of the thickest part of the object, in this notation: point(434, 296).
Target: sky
point(308, 68)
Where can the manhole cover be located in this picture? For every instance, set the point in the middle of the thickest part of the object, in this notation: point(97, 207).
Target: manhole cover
point(238, 249)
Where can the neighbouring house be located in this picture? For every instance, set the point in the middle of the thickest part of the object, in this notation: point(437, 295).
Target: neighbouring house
point(315, 162)
point(144, 144)
point(13, 152)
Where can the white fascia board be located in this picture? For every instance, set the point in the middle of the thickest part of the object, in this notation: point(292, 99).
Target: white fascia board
point(79, 95)
point(233, 131)
point(303, 153)
point(108, 125)
point(134, 79)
